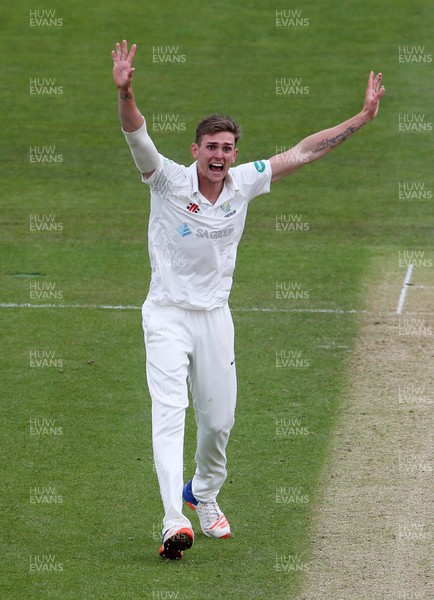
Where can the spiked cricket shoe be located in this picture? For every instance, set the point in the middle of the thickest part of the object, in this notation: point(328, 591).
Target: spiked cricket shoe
point(175, 541)
point(212, 520)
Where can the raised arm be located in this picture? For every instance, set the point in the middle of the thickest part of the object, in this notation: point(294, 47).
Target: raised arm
point(317, 145)
point(129, 115)
point(133, 123)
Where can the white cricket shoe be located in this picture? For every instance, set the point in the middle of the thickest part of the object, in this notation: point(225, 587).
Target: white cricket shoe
point(212, 520)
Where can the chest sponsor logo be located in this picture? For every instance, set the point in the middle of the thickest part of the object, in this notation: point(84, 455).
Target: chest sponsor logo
point(214, 235)
point(183, 230)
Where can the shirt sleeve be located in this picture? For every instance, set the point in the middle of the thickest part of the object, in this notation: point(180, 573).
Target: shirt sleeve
point(253, 178)
point(166, 175)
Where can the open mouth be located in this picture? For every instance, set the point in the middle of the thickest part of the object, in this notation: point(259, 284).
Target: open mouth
point(216, 167)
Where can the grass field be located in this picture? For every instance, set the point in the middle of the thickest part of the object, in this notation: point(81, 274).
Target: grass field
point(75, 408)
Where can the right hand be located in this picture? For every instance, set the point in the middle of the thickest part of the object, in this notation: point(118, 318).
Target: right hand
point(122, 69)
point(374, 92)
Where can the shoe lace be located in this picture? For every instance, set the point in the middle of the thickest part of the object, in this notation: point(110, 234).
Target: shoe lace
point(211, 511)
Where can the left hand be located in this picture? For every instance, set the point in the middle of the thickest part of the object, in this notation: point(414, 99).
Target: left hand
point(374, 92)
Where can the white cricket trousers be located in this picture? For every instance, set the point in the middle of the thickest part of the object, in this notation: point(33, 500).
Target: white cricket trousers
point(194, 346)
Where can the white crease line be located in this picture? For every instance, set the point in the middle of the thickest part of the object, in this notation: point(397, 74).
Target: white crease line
point(404, 289)
point(254, 309)
point(130, 307)
point(335, 311)
point(91, 306)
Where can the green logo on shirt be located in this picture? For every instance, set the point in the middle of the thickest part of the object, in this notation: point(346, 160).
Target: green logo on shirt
point(260, 166)
point(226, 207)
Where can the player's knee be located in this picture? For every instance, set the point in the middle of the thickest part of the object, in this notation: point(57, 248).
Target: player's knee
point(220, 426)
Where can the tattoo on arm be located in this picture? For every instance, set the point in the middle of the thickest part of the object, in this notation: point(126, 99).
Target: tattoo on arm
point(125, 96)
point(334, 141)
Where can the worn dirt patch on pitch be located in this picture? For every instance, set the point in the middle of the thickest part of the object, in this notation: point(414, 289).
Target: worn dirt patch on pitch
point(373, 532)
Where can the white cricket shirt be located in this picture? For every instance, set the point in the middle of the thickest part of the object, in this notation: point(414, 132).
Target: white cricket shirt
point(193, 243)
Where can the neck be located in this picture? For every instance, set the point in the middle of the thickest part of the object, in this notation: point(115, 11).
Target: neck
point(210, 190)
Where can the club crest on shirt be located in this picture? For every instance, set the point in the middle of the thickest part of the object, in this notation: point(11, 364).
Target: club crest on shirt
point(226, 208)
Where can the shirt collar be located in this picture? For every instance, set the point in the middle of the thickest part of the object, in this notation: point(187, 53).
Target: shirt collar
point(229, 188)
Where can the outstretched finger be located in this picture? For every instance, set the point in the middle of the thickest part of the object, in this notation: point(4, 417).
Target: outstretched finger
point(124, 50)
point(116, 53)
point(132, 53)
point(377, 81)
